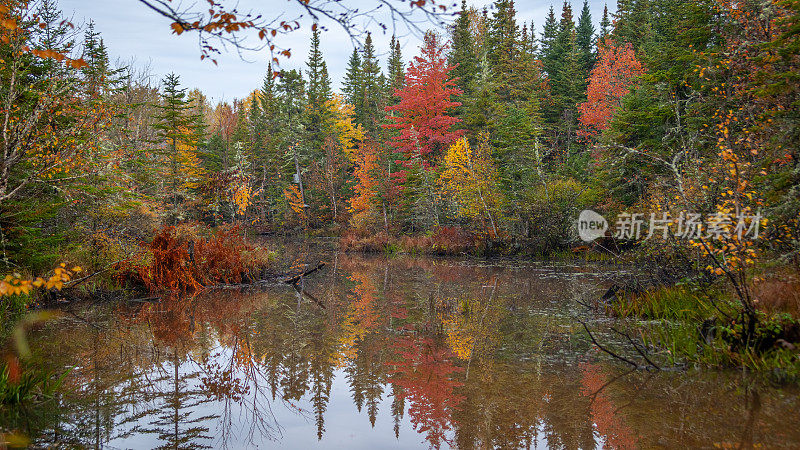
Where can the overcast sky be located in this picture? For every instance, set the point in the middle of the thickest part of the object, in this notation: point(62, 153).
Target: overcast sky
point(133, 32)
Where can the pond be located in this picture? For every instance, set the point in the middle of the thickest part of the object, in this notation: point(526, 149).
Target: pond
point(377, 352)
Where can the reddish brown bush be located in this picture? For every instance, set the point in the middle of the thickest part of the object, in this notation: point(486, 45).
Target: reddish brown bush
point(167, 267)
point(219, 259)
point(179, 263)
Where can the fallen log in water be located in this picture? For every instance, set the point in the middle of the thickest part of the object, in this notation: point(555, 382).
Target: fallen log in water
point(295, 279)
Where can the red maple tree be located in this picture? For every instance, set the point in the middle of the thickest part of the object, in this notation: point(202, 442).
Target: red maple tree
point(424, 128)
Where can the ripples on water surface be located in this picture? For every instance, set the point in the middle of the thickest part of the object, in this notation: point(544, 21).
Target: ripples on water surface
point(387, 353)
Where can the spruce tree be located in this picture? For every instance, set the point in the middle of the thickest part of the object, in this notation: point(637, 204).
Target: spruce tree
point(318, 93)
point(319, 88)
point(462, 54)
point(605, 24)
point(175, 127)
point(503, 47)
point(547, 45)
point(584, 41)
point(353, 88)
point(97, 70)
point(396, 70)
point(372, 113)
point(266, 153)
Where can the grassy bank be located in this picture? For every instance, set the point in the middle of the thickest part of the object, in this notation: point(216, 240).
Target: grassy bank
point(692, 325)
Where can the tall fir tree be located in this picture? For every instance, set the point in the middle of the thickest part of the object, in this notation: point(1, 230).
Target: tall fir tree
point(353, 84)
point(396, 72)
point(319, 85)
point(462, 55)
point(504, 47)
point(585, 42)
point(605, 24)
point(547, 44)
point(98, 69)
point(318, 93)
point(266, 153)
point(372, 112)
point(175, 128)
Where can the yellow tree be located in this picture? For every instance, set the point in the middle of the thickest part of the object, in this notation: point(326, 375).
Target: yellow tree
point(190, 169)
point(347, 133)
point(470, 179)
point(341, 138)
point(44, 123)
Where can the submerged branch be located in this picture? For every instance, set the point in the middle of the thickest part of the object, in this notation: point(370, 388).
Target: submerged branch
point(614, 355)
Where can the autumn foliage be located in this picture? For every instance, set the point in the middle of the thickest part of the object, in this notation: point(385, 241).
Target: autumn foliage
point(179, 264)
point(423, 123)
point(611, 79)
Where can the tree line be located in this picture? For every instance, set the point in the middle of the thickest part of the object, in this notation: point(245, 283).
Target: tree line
point(495, 127)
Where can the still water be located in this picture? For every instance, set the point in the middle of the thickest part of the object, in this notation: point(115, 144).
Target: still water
point(378, 352)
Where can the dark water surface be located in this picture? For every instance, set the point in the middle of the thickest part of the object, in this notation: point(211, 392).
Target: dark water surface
point(387, 353)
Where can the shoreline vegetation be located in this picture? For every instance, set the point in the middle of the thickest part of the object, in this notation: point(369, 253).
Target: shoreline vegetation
point(488, 141)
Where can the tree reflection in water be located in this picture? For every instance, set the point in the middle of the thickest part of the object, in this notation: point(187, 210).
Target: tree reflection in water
point(452, 354)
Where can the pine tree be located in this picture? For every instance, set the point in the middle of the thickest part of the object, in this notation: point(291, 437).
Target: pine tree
point(584, 41)
point(533, 42)
point(480, 107)
point(633, 20)
point(504, 48)
point(547, 45)
point(605, 24)
point(371, 115)
point(97, 70)
point(291, 90)
point(176, 128)
point(396, 68)
point(319, 88)
point(561, 61)
point(353, 84)
point(462, 56)
point(318, 93)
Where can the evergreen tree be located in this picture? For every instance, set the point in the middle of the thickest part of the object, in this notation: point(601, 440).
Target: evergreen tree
point(97, 70)
point(480, 106)
point(319, 87)
point(561, 62)
point(267, 143)
point(396, 66)
point(533, 42)
point(175, 127)
point(584, 41)
point(462, 55)
point(396, 71)
point(503, 47)
point(318, 93)
point(371, 114)
point(605, 24)
point(547, 45)
point(353, 88)
point(291, 93)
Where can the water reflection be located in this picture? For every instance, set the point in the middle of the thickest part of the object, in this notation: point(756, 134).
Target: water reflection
point(405, 352)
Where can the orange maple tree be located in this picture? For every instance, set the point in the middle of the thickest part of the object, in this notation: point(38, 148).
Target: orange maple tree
point(611, 79)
